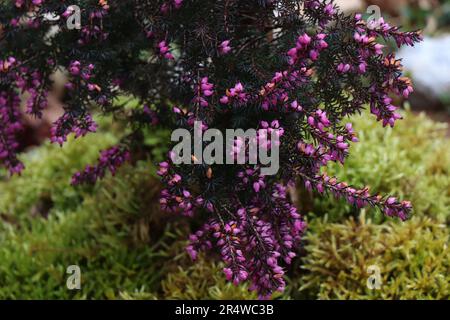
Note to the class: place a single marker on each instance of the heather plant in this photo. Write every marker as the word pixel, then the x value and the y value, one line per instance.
pixel 43 186
pixel 300 66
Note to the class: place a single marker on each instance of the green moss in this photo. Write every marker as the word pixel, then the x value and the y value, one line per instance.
pixel 413 257
pixel 203 280
pixel 45 183
pixel 187 280
pixel 114 232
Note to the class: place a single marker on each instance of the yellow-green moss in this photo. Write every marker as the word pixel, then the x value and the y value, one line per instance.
pixel 413 257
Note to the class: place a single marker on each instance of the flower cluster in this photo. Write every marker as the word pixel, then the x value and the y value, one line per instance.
pixel 224 47
pixel 94 30
pixel 32 83
pixel 254 255
pixel 110 159
pixel 10 117
pixel 80 122
pixel 78 70
pixel 149 116
pixel 176 198
pixel 204 90
pixel 10 125
pixel 164 50
pixel 266 131
pixel 71 123
pixel 22 3
pixel 359 197
pixel 235 95
pixel 306 47
pixel 172 4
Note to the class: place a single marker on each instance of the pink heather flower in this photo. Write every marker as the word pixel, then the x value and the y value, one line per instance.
pixel 74 68
pixel 343 68
pixel 69 11
pixel 224 100
pixel 314 55
pixel 407 92
pixel 322 43
pixel 192 253
pixel 225 47
pixel 164 50
pixel 329 10
pixel 178 3
pixel 379 49
pixel 228 273
pixel 14 22
pixel 204 90
pixel 363 39
pixel 362 67
pixel 292 53
pixel 239 87
pixel 342 145
pixel 175 4
pixel 165 7
pixel 295 105
pixel 304 39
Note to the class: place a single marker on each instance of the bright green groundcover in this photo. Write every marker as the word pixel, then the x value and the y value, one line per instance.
pixel 127 249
